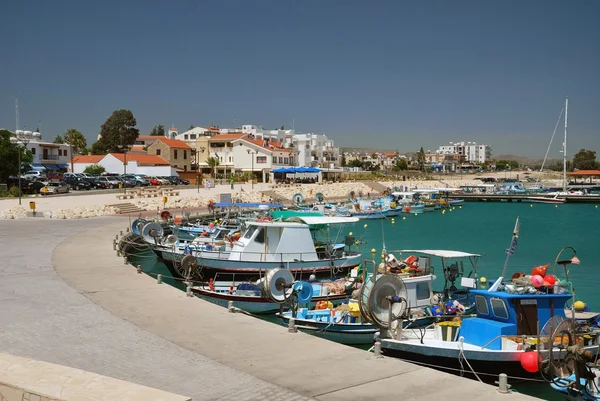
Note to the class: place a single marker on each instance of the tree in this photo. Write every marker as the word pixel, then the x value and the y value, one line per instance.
pixel 58 139
pixel 98 148
pixel 118 132
pixel 94 169
pixel 213 163
pixel 585 160
pixel 75 139
pixel 191 127
pixel 9 154
pixel 282 128
pixel 401 164
pixel 355 163
pixel 343 160
pixel 158 130
pixel 421 158
pixel 373 155
pixel 86 150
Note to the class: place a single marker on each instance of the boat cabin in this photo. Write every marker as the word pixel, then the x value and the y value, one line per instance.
pixel 406 198
pixel 287 241
pixel 502 314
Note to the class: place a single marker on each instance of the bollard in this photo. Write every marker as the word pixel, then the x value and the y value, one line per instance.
pixel 377 348
pixel 124 260
pixel 121 233
pixel 503 383
pixel 292 326
pixel 230 307
pixel 117 237
pixel 188 289
pixel 159 279
pixel 114 245
pixel 127 230
pixel 139 269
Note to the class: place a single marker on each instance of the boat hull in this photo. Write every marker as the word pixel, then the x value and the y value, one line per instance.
pixel 343 333
pixel 541 199
pixel 256 304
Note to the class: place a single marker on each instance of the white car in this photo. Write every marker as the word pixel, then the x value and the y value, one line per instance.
pixel 35 175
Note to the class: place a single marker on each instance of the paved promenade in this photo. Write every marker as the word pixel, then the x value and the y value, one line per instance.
pixel 106 318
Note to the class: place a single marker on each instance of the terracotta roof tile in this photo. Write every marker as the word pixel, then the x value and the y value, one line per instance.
pixel 145 160
pixel 88 158
pixel 174 143
pixel 227 137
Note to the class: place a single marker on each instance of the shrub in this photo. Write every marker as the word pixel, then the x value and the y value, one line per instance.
pixel 94 169
pixel 14 191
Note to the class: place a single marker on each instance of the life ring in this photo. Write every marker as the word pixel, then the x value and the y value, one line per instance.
pixel 321 305
pixel 393 205
pixel 178 221
pixel 165 215
pixel 410 260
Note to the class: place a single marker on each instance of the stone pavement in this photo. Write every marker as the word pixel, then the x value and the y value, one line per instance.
pixel 41 317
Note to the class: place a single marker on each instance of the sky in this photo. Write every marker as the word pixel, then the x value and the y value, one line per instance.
pixel 392 74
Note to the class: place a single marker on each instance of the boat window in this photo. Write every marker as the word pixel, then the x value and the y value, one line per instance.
pixel 481 304
pixel 499 308
pixel 250 232
pixel 423 291
pixel 260 237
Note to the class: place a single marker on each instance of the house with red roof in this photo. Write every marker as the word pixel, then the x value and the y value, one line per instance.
pixel 120 163
pixel 176 152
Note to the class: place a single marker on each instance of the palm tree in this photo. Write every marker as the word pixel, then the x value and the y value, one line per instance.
pixel 75 139
pixel 213 162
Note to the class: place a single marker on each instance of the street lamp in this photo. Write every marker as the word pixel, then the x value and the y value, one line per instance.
pixel 199 150
pixel 24 142
pixel 295 153
pixel 252 153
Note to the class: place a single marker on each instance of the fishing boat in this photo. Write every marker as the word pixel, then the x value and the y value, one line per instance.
pixel 504 336
pixel 408 201
pixel 251 296
pixel 543 199
pixel 300 244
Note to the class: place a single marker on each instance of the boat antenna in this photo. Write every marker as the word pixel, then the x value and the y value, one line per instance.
pixel 550 144
pixel 565 146
pixel 512 248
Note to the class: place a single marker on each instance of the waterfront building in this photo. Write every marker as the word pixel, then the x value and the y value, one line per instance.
pixel 47 156
pixel 150 165
pixel 470 152
pixel 177 153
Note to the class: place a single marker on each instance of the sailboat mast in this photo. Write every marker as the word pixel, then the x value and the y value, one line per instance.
pixel 565 146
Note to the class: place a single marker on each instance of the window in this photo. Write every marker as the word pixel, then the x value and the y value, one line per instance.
pixel 274 159
pixel 185 136
pixel 481 304
pixel 260 237
pixel 250 231
pixel 499 308
pixel 60 152
pixel 33 151
pixel 230 159
pixel 175 154
pixel 285 160
pixel 280 160
pixel 65 152
pixel 423 291
pixel 185 155
pixel 221 159
pixel 261 159
pixel 157 152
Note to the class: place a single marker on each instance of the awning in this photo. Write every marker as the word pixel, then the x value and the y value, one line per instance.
pixel 38 167
pixel 51 167
pixel 63 166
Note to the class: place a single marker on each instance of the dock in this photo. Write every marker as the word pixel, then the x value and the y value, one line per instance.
pixel 522 198
pixel 67 298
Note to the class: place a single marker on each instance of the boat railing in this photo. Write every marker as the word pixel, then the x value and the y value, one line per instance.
pixel 283 257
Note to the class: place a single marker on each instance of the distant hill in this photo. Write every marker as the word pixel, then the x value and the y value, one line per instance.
pixel 527 161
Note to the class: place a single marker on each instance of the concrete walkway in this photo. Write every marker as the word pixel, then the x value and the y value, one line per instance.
pixel 133 329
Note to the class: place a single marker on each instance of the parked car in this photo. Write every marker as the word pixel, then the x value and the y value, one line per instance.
pixel 35 175
pixel 55 187
pixel 140 181
pixel 77 183
pixel 129 181
pixel 163 180
pixel 27 186
pixel 109 182
pixel 154 181
pixel 183 182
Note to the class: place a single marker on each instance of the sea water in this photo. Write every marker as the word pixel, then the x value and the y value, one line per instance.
pixel 485 229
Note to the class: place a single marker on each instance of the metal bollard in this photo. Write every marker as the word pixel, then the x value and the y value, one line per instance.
pixel 292 326
pixel 230 307
pixel 503 383
pixel 377 348
pixel 124 260
pixel 139 269
pixel 188 289
pixel 159 279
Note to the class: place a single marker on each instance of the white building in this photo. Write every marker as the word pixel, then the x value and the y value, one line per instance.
pixel 469 151
pixel 47 156
pixel 150 165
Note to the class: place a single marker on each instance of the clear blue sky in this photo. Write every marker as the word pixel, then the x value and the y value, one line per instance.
pixel 390 74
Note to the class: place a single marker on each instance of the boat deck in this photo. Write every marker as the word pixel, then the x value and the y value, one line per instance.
pixel 270 362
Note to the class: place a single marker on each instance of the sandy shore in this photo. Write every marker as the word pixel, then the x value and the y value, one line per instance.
pixel 78 205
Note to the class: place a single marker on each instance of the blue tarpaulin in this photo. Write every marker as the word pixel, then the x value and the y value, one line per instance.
pixel 283 170
pixel 63 166
pixel 51 167
pixel 38 167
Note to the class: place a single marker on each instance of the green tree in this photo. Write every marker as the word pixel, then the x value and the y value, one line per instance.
pixel 282 128
pixel 421 158
pixel 213 163
pixel 86 150
pixel 98 148
pixel 9 154
pixel 75 139
pixel 373 155
pixel 191 127
pixel 401 164
pixel 158 130
pixel 94 169
pixel 58 139
pixel 355 163
pixel 585 160
pixel 343 160
pixel 118 132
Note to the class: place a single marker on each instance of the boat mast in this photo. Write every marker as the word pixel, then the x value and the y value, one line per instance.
pixel 565 146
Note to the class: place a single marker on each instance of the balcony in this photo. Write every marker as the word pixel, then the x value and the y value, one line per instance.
pixel 49 157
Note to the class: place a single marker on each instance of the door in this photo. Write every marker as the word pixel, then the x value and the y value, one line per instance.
pixel 527 317
pixel 45 154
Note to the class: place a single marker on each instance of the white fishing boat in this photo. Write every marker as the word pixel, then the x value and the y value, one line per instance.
pixel 300 244
pixel 543 199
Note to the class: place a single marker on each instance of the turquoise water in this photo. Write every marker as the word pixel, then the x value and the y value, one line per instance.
pixel 486 229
